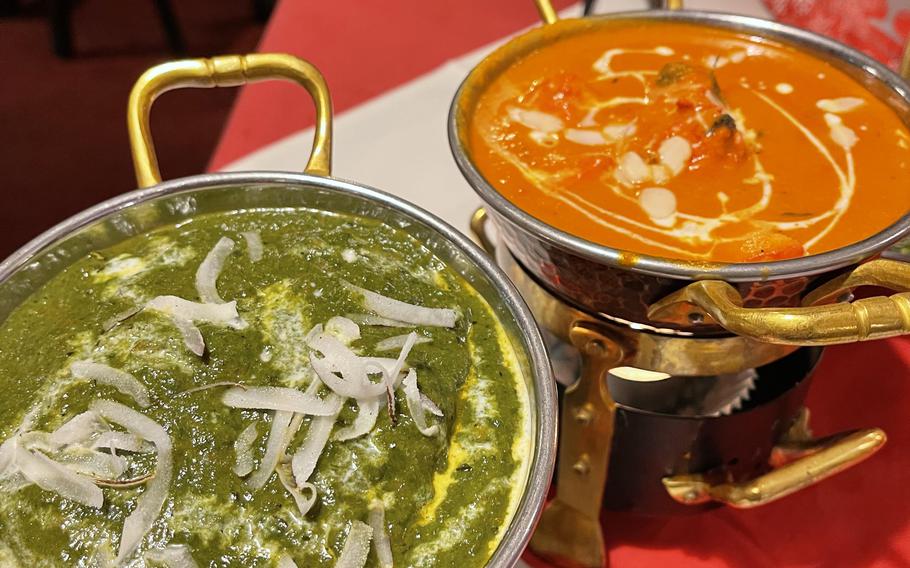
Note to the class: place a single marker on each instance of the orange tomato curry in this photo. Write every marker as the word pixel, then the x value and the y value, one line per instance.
pixel 692 143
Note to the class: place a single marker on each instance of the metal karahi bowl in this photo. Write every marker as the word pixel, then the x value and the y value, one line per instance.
pixel 163 203
pixel 777 301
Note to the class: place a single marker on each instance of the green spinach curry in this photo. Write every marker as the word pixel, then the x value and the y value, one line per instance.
pixel 260 388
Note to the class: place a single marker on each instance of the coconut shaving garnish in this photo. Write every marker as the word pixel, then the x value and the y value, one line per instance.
pixel 381 543
pixel 119 318
pixel 370 319
pixel 281 398
pixel 367 413
pixel 210 269
pixel 243 450
pixel 93 463
pixel 398 341
pixel 279 437
pixel 353 382
pixel 149 504
pixel 304 502
pixel 122 441
pixel 356 546
pixel 392 376
pixel 184 315
pixel 78 429
pixel 172 556
pixel 286 561
pixel 192 336
pixel 254 247
pixel 343 328
pixel 397 310
pixel 53 476
pixel 218 314
pixel 415 406
pixel 430 406
pixel 120 380
pixel 303 463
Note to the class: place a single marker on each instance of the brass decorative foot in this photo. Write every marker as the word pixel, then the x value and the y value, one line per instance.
pixel 569 532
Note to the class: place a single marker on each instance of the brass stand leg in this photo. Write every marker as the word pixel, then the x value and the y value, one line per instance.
pixel 569 532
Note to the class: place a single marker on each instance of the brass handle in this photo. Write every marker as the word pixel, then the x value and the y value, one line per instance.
pixel 905 61
pixel 479 230
pixel 547 13
pixel 826 458
pixel 224 71
pixel 715 301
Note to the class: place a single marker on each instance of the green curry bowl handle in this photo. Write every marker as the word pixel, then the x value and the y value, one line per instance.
pixel 479 230
pixel 817 322
pixel 224 71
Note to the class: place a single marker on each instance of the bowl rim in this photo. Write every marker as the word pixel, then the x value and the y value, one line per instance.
pixel 662 266
pixel 544 420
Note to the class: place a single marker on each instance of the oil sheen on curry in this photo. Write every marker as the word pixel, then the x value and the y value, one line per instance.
pixel 692 143
pixel 260 388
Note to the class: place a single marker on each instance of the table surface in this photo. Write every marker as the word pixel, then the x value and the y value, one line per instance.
pixel 392 67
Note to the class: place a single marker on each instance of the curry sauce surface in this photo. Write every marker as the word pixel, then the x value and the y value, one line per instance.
pixel 692 142
pixel 447 498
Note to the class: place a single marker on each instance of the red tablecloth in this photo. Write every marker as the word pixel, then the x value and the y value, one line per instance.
pixel 858 518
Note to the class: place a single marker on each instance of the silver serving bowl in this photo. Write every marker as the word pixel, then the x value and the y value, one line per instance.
pixel 161 204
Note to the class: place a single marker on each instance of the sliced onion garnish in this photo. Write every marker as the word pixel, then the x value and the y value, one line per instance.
pixel 279 437
pixel 172 556
pixel 52 476
pixel 381 542
pixel 280 398
pixel 79 429
pixel 304 503
pixel 367 412
pixel 149 504
pixel 343 328
pixel 209 270
pixel 106 375
pixel 356 546
pixel 370 319
pixel 412 396
pixel 122 441
pixel 430 406
pixel 93 463
pixel 119 318
pixel 398 341
pixel 192 336
pixel 219 314
pixel 402 311
pixel 307 455
pixel 243 450
pixel 254 246
pixel 285 561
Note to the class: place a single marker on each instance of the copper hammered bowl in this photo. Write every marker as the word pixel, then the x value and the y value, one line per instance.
pixel 802 301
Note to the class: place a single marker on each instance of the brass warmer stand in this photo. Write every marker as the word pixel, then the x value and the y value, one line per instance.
pixel 569 532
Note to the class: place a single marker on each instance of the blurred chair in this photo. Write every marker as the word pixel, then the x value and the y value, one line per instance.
pixel 60 18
